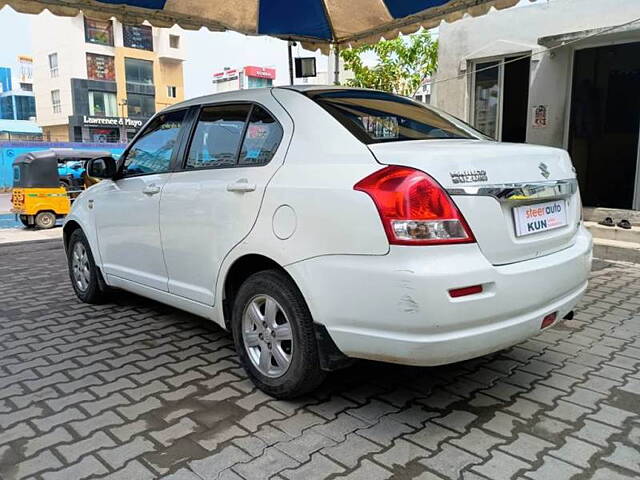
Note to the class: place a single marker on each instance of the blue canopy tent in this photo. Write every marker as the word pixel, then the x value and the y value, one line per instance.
pixel 315 23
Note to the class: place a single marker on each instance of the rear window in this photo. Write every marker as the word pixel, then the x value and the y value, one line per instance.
pixel 376 117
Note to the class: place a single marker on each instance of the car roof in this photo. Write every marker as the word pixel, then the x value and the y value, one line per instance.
pixel 252 95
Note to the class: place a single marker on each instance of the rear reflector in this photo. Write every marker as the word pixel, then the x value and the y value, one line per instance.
pixel 549 320
pixel 463 292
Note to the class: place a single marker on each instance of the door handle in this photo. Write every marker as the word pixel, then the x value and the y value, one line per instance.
pixel 151 189
pixel 241 186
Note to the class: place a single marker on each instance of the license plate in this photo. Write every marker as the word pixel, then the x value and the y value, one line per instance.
pixel 540 217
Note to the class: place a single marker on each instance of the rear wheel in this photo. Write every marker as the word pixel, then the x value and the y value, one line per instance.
pixel 273 334
pixel 85 276
pixel 45 220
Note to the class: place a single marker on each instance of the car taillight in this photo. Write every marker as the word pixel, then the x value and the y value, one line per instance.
pixel 414 208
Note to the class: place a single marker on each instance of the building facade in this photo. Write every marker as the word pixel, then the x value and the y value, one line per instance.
pixel 100 80
pixel 242 78
pixel 16 94
pixel 563 73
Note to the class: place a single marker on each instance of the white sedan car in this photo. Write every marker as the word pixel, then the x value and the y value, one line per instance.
pixel 324 224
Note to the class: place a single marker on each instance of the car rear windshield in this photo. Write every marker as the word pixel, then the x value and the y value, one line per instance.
pixel 376 117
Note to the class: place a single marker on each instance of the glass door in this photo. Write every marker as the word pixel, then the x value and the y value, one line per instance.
pixel 486 97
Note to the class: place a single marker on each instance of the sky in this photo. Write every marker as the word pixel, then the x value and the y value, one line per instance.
pixel 207 52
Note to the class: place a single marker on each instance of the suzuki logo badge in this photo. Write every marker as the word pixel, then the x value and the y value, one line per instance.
pixel 544 170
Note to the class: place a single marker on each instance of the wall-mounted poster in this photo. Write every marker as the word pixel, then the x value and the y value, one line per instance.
pixel 101 67
pixel 540 116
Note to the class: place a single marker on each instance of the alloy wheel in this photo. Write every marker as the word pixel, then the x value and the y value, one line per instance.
pixel 80 266
pixel 267 336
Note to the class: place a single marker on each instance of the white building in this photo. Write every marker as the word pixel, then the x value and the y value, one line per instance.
pixel 99 80
pixel 242 78
pixel 563 73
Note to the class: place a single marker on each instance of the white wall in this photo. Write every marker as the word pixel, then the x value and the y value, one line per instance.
pixel 517 30
pixel 64 36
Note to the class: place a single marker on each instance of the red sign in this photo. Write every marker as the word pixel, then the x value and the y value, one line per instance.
pixel 260 72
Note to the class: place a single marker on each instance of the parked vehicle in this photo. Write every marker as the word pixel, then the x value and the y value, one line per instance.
pixel 323 224
pixel 40 196
pixel 71 173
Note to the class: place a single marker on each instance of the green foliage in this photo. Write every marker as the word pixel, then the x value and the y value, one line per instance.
pixel 403 63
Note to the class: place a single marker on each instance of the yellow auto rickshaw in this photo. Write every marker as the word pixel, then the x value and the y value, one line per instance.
pixel 45 183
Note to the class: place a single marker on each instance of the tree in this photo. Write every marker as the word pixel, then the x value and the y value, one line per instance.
pixel 402 63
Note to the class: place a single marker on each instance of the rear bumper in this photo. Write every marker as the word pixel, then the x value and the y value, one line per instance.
pixel 396 307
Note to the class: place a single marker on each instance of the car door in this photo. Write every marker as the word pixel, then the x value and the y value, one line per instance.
pixel 127 210
pixel 212 203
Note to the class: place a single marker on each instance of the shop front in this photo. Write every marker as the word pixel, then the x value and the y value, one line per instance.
pixel 84 128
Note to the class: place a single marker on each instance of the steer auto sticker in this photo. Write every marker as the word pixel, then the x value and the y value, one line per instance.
pixel 540 217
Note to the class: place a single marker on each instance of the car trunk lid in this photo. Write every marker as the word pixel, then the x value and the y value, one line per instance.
pixel 500 189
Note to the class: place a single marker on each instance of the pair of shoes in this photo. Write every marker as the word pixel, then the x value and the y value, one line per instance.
pixel 608 222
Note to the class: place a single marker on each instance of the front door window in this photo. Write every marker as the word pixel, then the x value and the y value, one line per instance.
pixel 152 151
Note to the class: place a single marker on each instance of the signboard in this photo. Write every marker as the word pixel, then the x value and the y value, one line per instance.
pixel 260 72
pixel 229 74
pixel 88 121
pixel 101 67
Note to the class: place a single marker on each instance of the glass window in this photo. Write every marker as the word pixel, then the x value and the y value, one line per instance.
pixel 98 31
pixel 151 153
pixel 103 104
pixel 376 117
pixel 138 71
pixel 171 91
pixel 255 82
pixel 53 64
pixel 174 41
pixel 55 101
pixel 137 36
pixel 486 98
pixel 25 107
pixel 104 135
pixel 101 67
pixel 142 106
pixel 217 137
pixel 261 140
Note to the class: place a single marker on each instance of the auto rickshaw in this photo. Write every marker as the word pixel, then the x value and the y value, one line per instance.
pixel 39 196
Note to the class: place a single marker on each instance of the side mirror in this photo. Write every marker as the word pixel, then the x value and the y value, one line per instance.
pixel 102 167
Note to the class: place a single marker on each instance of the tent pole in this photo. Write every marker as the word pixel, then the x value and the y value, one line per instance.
pixel 290 51
pixel 336 64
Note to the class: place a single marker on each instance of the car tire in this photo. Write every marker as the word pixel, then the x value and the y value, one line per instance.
pixel 85 277
pixel 24 219
pixel 274 291
pixel 45 220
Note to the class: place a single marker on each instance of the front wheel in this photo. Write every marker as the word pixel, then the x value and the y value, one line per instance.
pixel 84 275
pixel 274 337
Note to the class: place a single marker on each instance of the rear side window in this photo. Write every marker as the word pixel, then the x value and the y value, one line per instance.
pixel 376 117
pixel 230 135
pixel 261 140
pixel 217 137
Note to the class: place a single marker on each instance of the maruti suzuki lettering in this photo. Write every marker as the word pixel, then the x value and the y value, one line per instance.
pixel 325 224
